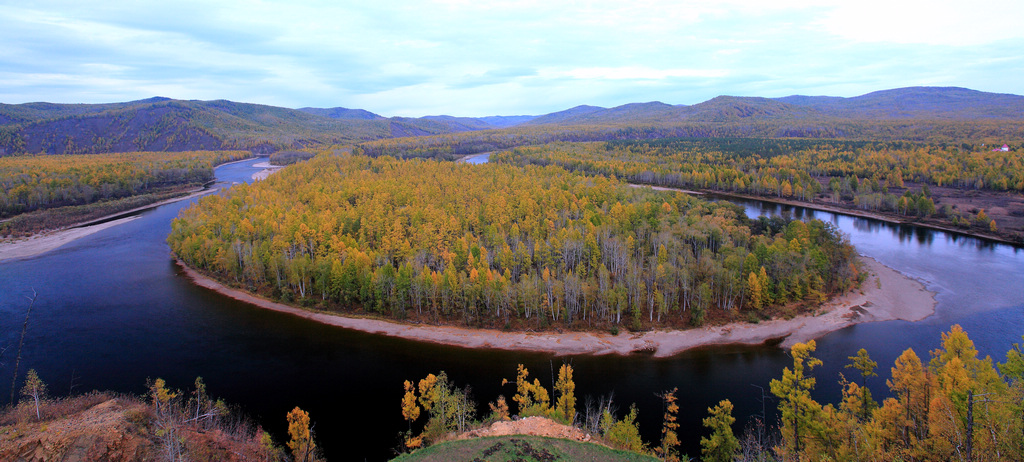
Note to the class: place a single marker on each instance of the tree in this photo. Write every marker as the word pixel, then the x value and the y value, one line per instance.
pixel 722 445
pixel 669 436
pixel 532 398
pixel 863 363
pixel 301 443
pixel 754 291
pixel 798 410
pixel 35 389
pixel 565 406
pixel 623 433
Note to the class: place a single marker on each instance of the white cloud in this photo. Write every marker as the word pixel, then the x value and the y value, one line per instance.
pixel 634 73
pixel 931 22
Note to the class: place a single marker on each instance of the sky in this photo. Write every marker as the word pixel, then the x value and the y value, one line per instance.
pixel 478 58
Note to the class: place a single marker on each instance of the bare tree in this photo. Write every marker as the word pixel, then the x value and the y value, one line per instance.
pixel 21 343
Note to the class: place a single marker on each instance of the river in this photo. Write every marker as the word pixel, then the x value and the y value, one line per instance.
pixel 114 310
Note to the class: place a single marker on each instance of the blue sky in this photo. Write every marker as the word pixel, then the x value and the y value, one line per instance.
pixel 478 58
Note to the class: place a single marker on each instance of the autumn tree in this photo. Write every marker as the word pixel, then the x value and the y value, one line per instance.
pixel 301 443
pixel 34 389
pixel 721 445
pixel 531 397
pixel 565 406
pixel 668 450
pixel 866 367
pixel 799 412
pixel 624 433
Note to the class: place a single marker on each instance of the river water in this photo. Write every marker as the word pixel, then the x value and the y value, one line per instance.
pixel 114 310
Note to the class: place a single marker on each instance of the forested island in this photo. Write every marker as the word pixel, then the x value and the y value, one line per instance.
pixel 504 246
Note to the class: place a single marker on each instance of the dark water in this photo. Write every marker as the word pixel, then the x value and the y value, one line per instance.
pixel 113 310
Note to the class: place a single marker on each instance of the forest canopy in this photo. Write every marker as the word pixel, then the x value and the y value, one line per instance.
pixel 499 244
pixel 30 183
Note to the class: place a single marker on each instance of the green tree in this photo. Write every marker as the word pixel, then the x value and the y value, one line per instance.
pixel 722 445
pixel 798 410
pixel 863 363
pixel 623 433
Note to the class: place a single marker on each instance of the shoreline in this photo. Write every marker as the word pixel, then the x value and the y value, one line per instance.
pixel 40 243
pixel 867 214
pixel 267 170
pixel 836 209
pixel 886 295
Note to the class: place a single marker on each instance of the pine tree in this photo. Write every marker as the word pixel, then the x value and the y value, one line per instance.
pixel 863 363
pixel 799 412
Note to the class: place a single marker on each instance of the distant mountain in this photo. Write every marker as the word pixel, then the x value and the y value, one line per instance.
pixel 922 103
pixel 160 124
pixel 163 124
pixel 506 121
pixel 917 103
pixel 342 113
pixel 460 123
pixel 566 116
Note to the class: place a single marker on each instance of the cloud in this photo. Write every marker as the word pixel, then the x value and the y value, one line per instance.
pixel 485 58
pixel 637 73
pixel 929 22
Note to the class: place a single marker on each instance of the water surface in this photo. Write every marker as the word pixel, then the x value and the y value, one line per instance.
pixel 114 310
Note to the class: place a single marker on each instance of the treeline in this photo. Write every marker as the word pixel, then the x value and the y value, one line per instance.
pixel 289 157
pixel 864 173
pixel 956 407
pixel 502 245
pixel 30 183
pixel 968 136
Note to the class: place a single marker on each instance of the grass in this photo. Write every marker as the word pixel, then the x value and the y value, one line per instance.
pixel 520 448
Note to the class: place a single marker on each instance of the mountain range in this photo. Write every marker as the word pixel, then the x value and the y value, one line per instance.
pixel 159 124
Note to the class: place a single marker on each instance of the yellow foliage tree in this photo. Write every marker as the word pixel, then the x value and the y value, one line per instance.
pixel 301 442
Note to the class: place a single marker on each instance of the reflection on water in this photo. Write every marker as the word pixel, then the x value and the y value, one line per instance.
pixel 113 310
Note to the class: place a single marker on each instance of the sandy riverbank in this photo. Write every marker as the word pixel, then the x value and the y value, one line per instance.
pixel 886 295
pixel 267 170
pixel 663 188
pixel 50 240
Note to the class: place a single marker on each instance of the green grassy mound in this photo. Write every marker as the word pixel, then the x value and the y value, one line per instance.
pixel 520 448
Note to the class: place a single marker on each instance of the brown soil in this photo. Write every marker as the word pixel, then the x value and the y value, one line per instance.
pixel 536 426
pixel 104 426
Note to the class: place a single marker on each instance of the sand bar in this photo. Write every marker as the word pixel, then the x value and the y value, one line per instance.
pixel 886 295
pixel 267 170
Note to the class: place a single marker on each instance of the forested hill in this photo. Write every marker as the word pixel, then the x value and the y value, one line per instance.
pixel 922 103
pixel 917 102
pixel 162 124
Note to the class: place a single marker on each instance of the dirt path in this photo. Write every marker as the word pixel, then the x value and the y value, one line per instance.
pixel 886 295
